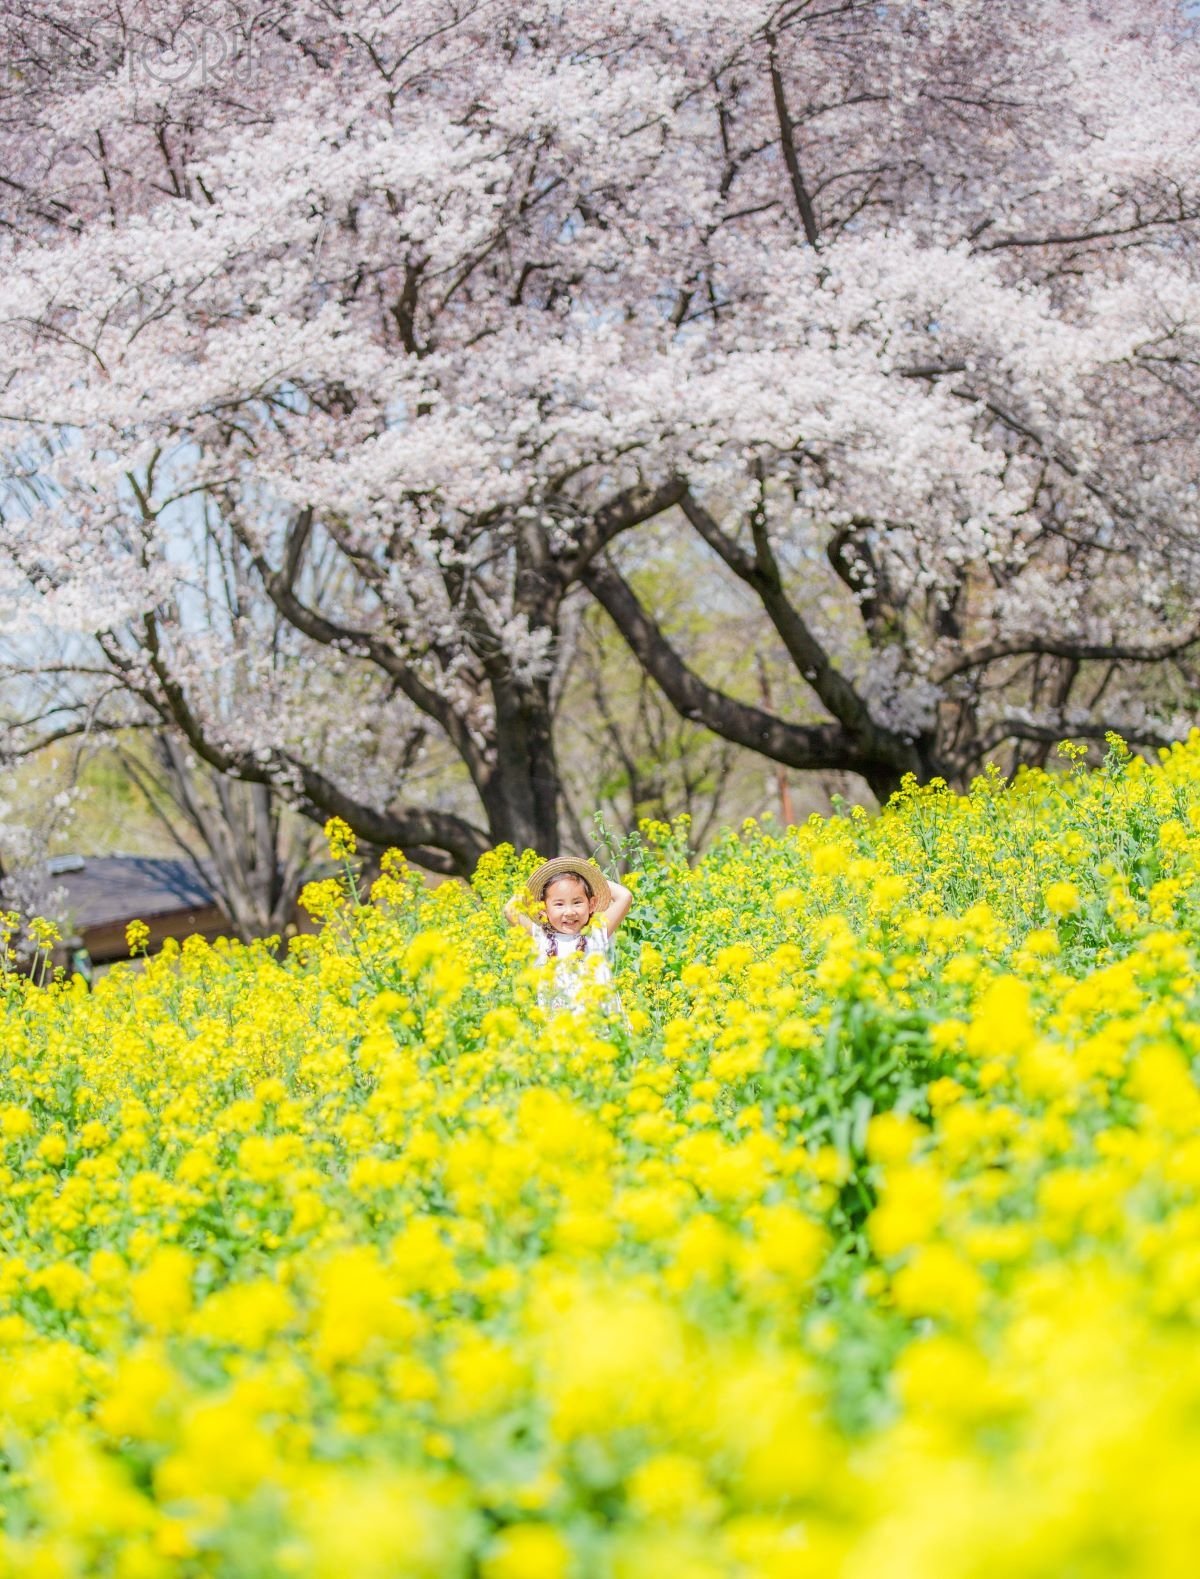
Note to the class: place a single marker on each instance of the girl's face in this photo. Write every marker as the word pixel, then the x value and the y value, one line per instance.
pixel 568 904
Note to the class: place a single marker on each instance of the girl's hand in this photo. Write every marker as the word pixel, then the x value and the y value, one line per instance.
pixel 619 909
pixel 516 914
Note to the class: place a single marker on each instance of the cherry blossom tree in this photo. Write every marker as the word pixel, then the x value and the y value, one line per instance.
pixel 1013 544
pixel 403 321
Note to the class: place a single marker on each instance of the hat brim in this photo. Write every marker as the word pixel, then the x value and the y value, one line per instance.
pixel 562 864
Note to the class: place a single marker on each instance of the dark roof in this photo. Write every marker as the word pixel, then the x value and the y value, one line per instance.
pixel 102 889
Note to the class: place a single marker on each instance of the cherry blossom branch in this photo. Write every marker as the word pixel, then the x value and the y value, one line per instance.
pixel 628 510
pixel 761 572
pixel 1079 649
pixel 368 644
pixel 447 841
pixel 1049 730
pixel 802 746
pixel 787 138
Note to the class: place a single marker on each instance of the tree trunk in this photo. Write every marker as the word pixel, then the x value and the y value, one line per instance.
pixel 522 795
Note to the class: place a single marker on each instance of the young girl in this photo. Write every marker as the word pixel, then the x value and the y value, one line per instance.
pixel 582 910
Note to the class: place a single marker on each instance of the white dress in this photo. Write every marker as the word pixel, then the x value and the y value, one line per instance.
pixel 575 968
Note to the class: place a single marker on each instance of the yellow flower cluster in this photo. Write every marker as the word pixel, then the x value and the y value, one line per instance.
pixel 864 1244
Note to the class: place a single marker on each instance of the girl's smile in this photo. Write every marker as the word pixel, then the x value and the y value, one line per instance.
pixel 568 905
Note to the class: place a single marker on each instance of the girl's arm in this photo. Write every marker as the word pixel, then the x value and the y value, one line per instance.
pixel 619 909
pixel 515 916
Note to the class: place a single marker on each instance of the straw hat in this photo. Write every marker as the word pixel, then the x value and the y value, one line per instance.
pixel 549 870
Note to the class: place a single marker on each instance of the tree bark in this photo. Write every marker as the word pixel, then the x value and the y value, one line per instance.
pixel 521 795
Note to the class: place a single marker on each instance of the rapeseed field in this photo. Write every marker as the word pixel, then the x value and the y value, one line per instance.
pixel 866 1245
